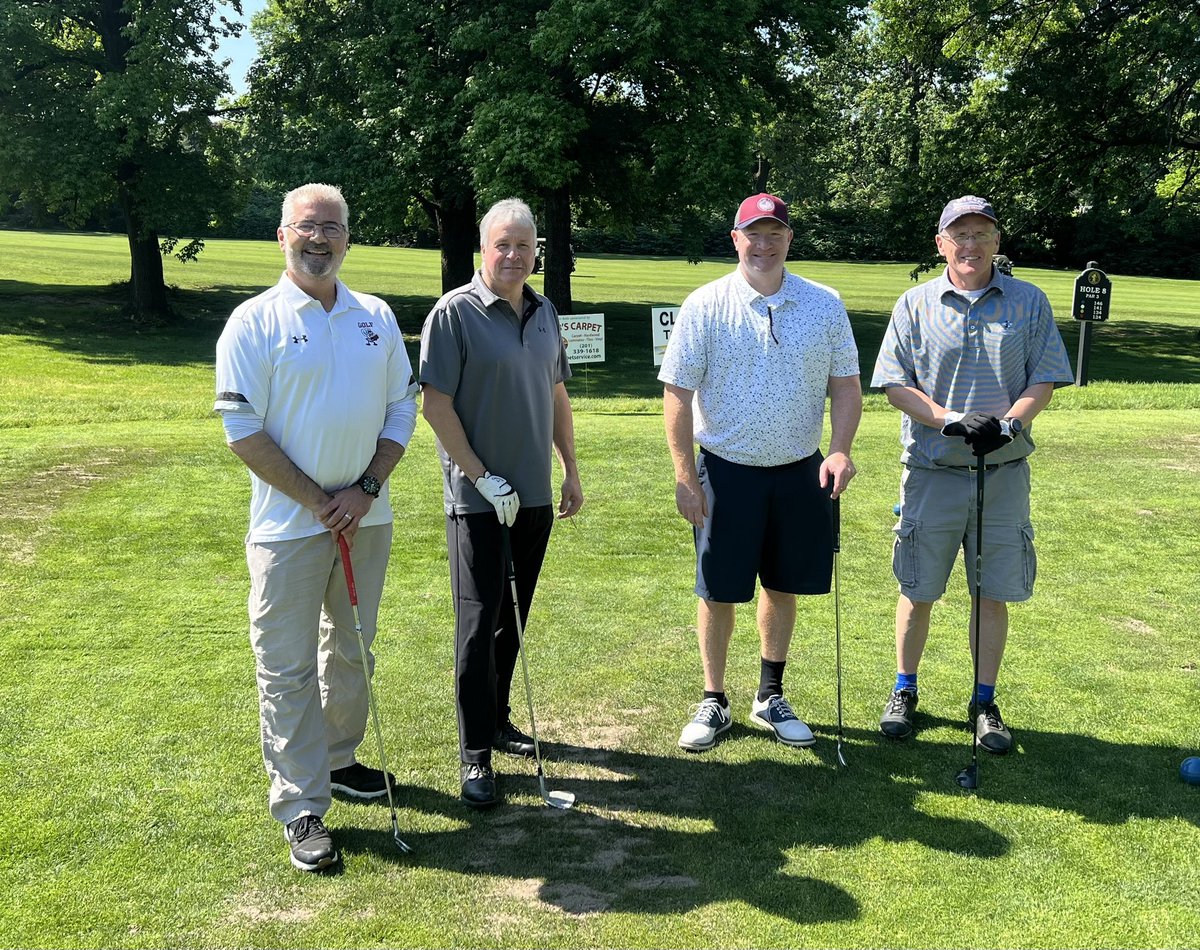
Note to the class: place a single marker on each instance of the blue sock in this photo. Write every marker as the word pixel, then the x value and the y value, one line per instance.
pixel 906 681
pixel 984 692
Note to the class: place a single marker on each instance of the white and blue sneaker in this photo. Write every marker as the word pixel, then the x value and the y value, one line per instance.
pixel 709 721
pixel 775 715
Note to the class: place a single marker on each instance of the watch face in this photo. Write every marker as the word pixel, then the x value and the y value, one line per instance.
pixel 1016 426
pixel 370 484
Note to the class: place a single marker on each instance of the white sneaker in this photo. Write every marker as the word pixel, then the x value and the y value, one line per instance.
pixel 709 721
pixel 775 715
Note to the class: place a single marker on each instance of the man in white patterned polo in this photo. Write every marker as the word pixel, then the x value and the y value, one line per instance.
pixel 970 358
pixel 746 372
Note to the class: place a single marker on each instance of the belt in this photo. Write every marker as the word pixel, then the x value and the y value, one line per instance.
pixel 986 468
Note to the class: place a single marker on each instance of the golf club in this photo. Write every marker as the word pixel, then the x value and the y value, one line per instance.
pixel 362 646
pixel 969 777
pixel 837 616
pixel 553 799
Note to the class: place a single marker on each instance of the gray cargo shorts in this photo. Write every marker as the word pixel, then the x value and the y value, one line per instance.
pixel 937 520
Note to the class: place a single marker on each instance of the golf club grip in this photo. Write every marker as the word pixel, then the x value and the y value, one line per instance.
pixel 345 548
pixel 837 523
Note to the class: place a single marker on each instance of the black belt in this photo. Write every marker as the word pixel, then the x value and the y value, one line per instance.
pixel 986 468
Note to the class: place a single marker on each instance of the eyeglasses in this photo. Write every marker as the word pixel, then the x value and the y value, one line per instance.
pixel 962 238
pixel 307 229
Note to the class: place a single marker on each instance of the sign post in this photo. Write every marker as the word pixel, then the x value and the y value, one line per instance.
pixel 1093 296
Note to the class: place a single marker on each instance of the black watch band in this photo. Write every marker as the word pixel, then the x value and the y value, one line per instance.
pixel 370 485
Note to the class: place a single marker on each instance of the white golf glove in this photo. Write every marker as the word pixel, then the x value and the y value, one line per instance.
pixel 501 495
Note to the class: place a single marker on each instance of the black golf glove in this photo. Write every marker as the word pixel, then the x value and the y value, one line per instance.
pixel 980 430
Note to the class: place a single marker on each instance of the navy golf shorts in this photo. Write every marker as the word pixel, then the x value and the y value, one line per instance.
pixel 772 523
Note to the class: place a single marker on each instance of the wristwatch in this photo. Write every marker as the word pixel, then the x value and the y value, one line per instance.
pixel 370 484
pixel 1013 425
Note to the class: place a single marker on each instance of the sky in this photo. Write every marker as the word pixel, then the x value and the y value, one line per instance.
pixel 241 51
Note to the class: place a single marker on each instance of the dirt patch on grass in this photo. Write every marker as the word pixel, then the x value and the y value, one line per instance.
pixel 33 498
pixel 258 908
pixel 574 900
pixel 1133 625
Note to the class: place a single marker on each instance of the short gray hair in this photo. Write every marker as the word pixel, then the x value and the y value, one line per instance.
pixel 313 191
pixel 502 212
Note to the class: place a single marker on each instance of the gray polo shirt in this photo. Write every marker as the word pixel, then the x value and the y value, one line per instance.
pixel 501 369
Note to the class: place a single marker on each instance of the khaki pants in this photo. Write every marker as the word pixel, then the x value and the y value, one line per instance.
pixel 312 697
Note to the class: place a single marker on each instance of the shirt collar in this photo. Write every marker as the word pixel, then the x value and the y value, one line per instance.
pixel 790 289
pixel 488 297
pixel 295 296
pixel 944 286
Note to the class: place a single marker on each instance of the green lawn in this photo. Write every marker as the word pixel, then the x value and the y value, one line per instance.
pixel 135 806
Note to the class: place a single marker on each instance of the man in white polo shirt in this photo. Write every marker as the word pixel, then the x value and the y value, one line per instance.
pixel 318 398
pixel 745 375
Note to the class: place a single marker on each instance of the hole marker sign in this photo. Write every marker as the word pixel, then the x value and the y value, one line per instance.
pixel 583 334
pixel 662 322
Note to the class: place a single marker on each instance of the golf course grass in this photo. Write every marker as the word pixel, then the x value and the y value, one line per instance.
pixel 134 812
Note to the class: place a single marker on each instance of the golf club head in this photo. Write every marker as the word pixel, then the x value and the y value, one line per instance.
pixel 560 800
pixel 969 777
pixel 400 843
pixel 841 758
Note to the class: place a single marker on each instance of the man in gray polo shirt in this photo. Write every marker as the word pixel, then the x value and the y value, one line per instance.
pixel 492 373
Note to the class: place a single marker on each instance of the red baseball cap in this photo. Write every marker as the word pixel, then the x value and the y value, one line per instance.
pixel 760 206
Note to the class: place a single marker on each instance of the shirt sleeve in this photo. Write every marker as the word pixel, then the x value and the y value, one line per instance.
pixel 844 351
pixel 894 364
pixel 243 373
pixel 442 355
pixel 685 362
pixel 401 414
pixel 1048 361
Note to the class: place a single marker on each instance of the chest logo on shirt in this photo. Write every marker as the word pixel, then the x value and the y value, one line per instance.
pixel 303 338
pixel 369 334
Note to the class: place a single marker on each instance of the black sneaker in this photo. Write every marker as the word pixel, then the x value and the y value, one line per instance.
pixel 312 845
pixel 989 727
pixel 478 785
pixel 360 781
pixel 510 739
pixel 897 719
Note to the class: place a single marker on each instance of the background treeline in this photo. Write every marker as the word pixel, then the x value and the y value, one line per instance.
pixel 632 126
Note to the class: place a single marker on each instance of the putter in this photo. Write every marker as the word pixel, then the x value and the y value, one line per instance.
pixel 362 646
pixel 837 615
pixel 969 777
pixel 562 800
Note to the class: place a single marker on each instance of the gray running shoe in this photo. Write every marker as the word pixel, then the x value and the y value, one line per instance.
pixel 312 845
pixel 989 727
pixel 897 719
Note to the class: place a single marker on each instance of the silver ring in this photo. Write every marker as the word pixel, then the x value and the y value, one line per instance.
pixel 345 516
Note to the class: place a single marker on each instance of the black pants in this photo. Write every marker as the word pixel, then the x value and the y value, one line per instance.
pixel 485 631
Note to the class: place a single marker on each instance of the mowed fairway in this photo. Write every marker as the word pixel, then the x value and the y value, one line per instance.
pixel 134 812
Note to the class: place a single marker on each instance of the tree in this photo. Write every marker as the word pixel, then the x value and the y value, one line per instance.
pixel 113 101
pixel 642 114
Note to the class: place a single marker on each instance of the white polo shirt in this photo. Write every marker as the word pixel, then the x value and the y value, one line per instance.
pixel 760 376
pixel 322 382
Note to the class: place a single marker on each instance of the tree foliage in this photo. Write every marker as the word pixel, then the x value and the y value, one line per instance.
pixel 112 102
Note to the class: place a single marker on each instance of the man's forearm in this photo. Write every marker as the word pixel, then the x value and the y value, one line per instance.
pixel 267 460
pixel 564 431
pixel 438 410
pixel 845 412
pixel 677 418
pixel 387 456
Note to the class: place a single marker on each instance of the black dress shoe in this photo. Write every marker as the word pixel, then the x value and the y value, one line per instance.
pixel 510 739
pixel 478 785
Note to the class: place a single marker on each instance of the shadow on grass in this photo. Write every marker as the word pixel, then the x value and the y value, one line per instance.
pixel 668 834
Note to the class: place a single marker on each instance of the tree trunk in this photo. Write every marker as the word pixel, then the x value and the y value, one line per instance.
pixel 557 285
pixel 458 235
pixel 147 290
pixel 762 173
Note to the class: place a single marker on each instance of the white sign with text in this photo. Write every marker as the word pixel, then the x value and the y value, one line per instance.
pixel 584 336
pixel 662 322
